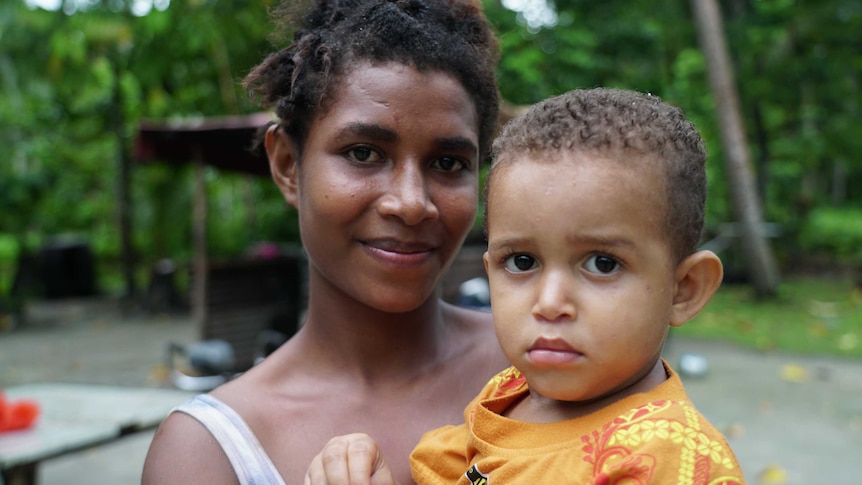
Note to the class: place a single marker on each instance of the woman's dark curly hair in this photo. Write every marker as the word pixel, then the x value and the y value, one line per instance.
pixel 451 36
pixel 619 123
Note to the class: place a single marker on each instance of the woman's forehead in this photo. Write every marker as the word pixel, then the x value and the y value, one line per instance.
pixel 394 95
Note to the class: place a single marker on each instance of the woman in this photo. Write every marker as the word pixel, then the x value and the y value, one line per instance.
pixel 387 109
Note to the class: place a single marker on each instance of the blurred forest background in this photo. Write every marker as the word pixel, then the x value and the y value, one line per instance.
pixel 77 77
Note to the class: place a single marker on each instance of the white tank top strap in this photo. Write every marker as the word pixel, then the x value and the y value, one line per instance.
pixel 248 458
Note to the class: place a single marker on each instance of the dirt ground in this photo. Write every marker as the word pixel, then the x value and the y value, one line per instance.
pixel 790 419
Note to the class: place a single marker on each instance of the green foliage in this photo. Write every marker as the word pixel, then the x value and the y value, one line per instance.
pixel 834 232
pixel 73 89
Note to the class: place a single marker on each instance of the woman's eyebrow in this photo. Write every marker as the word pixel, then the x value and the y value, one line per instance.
pixel 368 130
pixel 457 144
pixel 374 131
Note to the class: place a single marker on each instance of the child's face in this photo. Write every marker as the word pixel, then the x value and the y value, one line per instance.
pixel 581 274
pixel 387 185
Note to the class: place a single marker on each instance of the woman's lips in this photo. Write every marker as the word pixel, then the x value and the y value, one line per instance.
pixel 399 252
pixel 552 352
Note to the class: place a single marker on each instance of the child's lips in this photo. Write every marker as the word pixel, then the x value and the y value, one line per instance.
pixel 552 351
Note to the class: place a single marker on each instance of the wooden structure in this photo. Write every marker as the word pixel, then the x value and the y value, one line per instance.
pixel 247 298
pixel 231 300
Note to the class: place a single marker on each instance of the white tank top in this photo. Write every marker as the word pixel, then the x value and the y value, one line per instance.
pixel 248 458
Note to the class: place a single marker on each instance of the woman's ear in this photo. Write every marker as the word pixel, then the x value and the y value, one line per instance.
pixel 283 162
pixel 697 278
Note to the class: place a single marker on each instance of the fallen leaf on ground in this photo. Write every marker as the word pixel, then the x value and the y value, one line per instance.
pixel 159 373
pixel 794 373
pixel 772 475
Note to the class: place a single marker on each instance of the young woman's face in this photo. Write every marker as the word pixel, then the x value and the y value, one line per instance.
pixel 581 274
pixel 387 184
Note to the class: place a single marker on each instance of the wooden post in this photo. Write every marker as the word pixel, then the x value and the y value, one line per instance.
pixel 199 242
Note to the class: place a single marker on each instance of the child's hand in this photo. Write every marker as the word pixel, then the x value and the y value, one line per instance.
pixel 352 459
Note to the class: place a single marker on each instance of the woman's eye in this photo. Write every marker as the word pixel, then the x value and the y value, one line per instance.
pixel 449 164
pixel 601 264
pixel 518 263
pixel 363 155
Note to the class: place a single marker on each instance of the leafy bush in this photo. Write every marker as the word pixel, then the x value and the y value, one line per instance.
pixel 836 232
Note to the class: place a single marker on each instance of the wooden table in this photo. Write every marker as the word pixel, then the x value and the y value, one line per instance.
pixel 75 417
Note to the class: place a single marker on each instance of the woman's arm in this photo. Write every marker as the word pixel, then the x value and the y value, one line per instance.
pixel 184 452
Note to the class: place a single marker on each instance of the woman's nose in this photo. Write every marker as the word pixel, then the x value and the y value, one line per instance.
pixel 408 196
pixel 555 301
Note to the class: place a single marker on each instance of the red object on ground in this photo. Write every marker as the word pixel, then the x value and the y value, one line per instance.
pixel 17 415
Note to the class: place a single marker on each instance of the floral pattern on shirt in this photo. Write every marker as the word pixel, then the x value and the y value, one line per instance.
pixel 620 450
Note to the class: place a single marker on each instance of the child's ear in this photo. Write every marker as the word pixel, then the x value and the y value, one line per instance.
pixel 697 278
pixel 283 161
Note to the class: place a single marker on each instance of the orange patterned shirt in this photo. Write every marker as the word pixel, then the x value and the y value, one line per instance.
pixel 657 437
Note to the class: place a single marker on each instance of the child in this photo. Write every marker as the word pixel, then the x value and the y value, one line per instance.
pixel 595 206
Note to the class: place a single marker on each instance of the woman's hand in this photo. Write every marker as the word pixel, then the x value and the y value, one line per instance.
pixel 352 459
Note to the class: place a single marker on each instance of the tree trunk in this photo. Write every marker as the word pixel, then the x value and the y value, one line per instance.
pixel 124 183
pixel 746 204
pixel 763 157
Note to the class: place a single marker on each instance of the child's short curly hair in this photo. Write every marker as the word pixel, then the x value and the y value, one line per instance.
pixel 620 121
pixel 452 36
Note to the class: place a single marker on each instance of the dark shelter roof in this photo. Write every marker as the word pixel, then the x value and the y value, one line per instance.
pixel 225 142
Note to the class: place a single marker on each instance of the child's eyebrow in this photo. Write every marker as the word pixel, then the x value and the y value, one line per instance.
pixel 612 242
pixel 502 244
pixel 574 239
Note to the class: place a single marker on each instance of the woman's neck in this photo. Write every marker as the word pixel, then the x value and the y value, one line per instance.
pixel 376 346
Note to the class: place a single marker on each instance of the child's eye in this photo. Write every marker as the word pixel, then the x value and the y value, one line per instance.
pixel 449 164
pixel 601 264
pixel 518 263
pixel 363 154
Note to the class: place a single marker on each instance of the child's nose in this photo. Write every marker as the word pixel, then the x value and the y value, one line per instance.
pixel 408 197
pixel 555 302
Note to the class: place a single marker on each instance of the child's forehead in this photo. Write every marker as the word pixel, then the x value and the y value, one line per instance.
pixel 589 195
pixel 647 165
pixel 609 175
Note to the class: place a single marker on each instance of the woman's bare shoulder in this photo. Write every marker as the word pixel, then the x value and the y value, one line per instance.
pixel 477 333
pixel 476 327
pixel 183 451
pixel 469 319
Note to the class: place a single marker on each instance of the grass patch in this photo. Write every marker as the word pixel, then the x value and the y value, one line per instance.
pixel 809 316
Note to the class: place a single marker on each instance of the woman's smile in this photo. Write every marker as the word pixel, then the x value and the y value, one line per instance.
pixel 399 252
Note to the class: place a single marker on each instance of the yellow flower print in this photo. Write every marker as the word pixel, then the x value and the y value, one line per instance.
pixel 682 434
pixel 629 436
pixel 655 429
pixel 727 462
pixel 709 448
